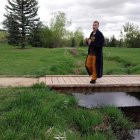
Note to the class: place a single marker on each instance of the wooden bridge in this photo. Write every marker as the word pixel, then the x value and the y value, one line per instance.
pixel 79 83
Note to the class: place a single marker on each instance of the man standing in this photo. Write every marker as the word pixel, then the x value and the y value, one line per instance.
pixel 94 61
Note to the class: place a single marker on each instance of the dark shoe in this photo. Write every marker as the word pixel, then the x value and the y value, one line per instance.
pixel 93 81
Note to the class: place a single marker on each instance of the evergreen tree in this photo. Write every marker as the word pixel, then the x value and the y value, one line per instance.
pixel 113 42
pixel 107 42
pixel 35 35
pixel 73 42
pixel 81 44
pixel 25 15
pixel 13 34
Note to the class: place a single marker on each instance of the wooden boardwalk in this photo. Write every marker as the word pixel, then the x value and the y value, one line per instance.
pixel 80 83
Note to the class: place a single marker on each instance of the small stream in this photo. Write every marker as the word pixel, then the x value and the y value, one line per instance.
pixel 118 99
pixel 129 103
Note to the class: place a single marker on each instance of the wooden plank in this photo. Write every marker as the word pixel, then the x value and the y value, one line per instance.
pixel 88 79
pixel 61 80
pixel 55 81
pixel 48 80
pixel 67 80
pixel 84 80
pixel 78 81
pixel 73 81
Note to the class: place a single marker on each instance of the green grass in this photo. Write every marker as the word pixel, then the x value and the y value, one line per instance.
pixel 63 61
pixel 41 114
pixel 127 59
pixel 34 61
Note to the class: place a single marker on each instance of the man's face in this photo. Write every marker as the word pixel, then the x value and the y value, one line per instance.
pixel 95 26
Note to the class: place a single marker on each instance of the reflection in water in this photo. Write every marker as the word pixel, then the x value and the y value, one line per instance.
pixel 136 134
pixel 135 94
pixel 118 99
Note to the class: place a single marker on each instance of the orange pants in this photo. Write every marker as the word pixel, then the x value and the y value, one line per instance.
pixel 91 66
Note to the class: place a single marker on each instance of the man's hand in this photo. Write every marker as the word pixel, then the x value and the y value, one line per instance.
pixel 89 41
pixel 86 39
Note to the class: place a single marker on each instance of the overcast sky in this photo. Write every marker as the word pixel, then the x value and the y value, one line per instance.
pixel 112 14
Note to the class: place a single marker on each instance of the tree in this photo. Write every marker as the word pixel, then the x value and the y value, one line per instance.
pixel 81 44
pixel 78 35
pixel 35 38
pixel 67 40
pixel 106 42
pixel 47 37
pixel 112 42
pixel 3 36
pixel 13 33
pixel 73 42
pixel 131 35
pixel 24 13
pixel 58 26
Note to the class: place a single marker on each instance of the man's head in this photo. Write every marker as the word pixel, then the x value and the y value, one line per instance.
pixel 95 25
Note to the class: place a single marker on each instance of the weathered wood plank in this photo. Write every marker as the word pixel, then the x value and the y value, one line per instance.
pixel 55 80
pixel 67 80
pixel 73 81
pixel 61 80
pixel 48 80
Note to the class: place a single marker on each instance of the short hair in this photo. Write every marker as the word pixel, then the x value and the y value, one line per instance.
pixel 96 22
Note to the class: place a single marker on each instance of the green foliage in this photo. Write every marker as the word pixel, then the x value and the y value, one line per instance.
pixel 58 26
pixel 131 35
pixel 78 35
pixel 73 42
pixel 3 36
pixel 57 35
pixel 13 33
pixel 53 36
pixel 81 43
pixel 112 42
pixel 47 37
pixel 22 15
pixel 35 38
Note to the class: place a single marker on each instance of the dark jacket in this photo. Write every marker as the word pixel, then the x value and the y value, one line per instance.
pixel 97 46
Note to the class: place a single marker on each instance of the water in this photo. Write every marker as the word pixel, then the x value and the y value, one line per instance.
pixel 136 134
pixel 118 99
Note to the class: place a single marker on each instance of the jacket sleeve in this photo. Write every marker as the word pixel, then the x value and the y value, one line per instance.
pixel 99 41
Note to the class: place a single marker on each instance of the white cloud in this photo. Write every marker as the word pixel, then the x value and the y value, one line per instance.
pixel 112 15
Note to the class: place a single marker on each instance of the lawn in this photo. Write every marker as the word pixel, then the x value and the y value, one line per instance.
pixel 64 61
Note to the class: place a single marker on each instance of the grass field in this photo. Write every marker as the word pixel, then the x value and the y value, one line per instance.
pixel 62 61
pixel 36 113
